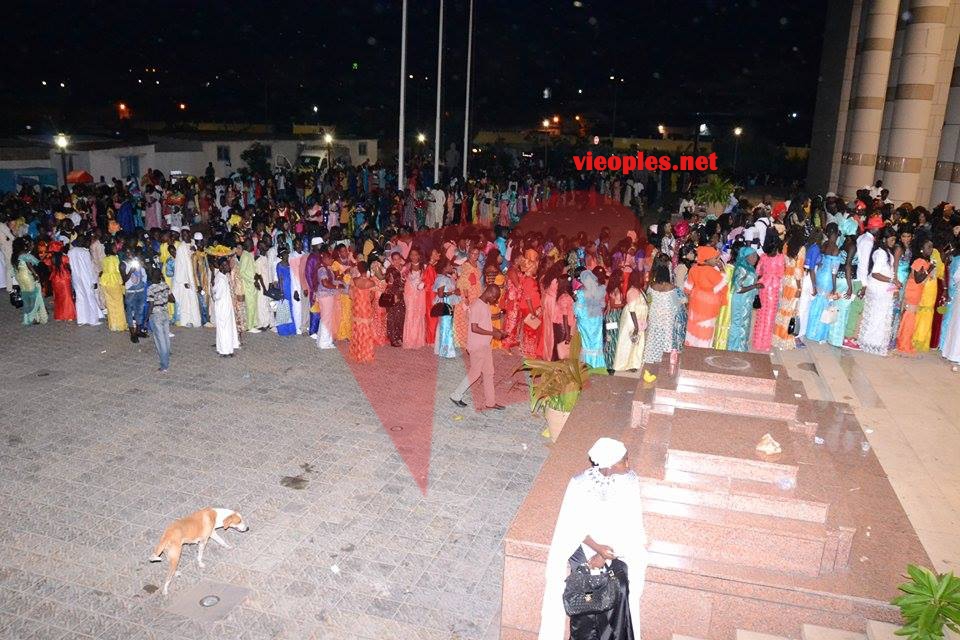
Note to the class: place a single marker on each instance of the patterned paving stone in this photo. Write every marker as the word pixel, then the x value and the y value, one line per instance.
pixel 100 454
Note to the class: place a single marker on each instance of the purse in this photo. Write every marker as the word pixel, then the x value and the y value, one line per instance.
pixel 274 293
pixel 387 300
pixel 441 309
pixel 532 321
pixel 587 592
pixel 15 298
pixel 793 327
pixel 756 302
pixel 829 315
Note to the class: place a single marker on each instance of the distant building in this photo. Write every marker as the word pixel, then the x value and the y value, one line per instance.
pixel 888 104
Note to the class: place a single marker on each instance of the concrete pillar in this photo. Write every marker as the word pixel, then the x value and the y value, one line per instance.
pixel 919 64
pixel 889 103
pixel 865 114
pixel 949 136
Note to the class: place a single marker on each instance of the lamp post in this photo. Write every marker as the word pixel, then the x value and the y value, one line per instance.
pixel 328 140
pixel 62 141
pixel 546 140
pixel 613 128
pixel 737 132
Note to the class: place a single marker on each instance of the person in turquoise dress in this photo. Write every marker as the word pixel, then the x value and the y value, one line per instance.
pixel 952 293
pixel 825 278
pixel 34 311
pixel 844 290
pixel 588 310
pixel 444 288
pixel 745 288
pixel 905 247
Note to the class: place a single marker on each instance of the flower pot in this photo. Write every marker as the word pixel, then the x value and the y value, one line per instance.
pixel 555 421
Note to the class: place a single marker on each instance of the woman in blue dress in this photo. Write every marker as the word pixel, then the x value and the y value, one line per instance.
pixel 445 290
pixel 284 314
pixel 950 253
pixel 825 282
pixel 745 288
pixel 905 250
pixel 588 310
pixel 844 292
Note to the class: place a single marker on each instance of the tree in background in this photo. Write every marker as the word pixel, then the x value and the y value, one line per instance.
pixel 255 157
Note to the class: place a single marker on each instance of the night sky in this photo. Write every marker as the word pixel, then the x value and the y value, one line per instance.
pixel 748 62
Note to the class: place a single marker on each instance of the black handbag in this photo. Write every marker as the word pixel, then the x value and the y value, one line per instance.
pixel 756 302
pixel 274 293
pixel 15 298
pixel 793 329
pixel 387 300
pixel 441 309
pixel 587 592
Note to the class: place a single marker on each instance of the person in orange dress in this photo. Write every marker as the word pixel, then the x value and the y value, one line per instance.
pixel 531 311
pixel 470 284
pixel 379 325
pixel 920 272
pixel 706 287
pixel 362 295
pixel 60 283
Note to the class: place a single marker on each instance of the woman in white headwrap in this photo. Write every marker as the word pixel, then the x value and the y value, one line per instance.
pixel 600 522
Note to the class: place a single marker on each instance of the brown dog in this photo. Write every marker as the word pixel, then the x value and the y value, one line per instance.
pixel 196 528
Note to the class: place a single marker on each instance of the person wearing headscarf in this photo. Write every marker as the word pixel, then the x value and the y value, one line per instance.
pixel 600 523
pixel 744 287
pixel 588 310
pixel 633 327
pixel 706 288
pixel 25 266
pixel 63 306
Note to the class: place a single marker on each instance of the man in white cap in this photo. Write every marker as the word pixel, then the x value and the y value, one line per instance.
pixel 184 283
pixel 600 523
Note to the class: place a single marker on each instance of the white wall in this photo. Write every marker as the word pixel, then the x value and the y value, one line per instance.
pixel 287 148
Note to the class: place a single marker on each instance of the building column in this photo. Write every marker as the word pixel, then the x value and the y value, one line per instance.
pixel 889 103
pixel 865 114
pixel 949 137
pixel 922 43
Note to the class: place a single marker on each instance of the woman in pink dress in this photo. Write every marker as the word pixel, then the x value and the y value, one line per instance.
pixel 414 297
pixel 770 270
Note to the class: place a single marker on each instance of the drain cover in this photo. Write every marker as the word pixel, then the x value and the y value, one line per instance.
pixel 42 374
pixel 396 428
pixel 209 601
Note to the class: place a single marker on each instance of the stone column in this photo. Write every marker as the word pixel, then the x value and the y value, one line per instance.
pixel 891 95
pixel 949 137
pixel 919 63
pixel 866 104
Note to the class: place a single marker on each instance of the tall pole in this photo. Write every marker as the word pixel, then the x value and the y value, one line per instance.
pixel 736 152
pixel 466 109
pixel 403 94
pixel 613 128
pixel 436 134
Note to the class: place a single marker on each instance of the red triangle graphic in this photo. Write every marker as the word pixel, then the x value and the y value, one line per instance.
pixel 401 386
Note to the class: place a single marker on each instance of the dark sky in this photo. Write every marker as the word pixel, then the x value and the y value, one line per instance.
pixel 748 62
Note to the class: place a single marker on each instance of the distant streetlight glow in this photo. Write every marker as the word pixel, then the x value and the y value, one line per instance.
pixel 61 141
pixel 183 106
pixel 738 131
pixel 661 129
pixel 327 138
pixel 62 85
pixel 545 123
pixel 421 138
pixel 579 90
pixel 703 129
pixel 315 108
pixel 611 77
pixel 577 118
pixel 556 119
pixel 43 82
pixel 122 106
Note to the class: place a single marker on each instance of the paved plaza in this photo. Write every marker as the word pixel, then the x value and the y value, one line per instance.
pixel 99 453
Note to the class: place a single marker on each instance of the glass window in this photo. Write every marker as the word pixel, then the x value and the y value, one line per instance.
pixel 223 153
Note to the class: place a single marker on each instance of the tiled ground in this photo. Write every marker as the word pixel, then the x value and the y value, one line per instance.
pixel 98 453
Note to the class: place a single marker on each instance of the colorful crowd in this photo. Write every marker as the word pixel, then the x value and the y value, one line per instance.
pixel 380 268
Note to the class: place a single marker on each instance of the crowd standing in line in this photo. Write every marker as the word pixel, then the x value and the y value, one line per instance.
pixel 345 256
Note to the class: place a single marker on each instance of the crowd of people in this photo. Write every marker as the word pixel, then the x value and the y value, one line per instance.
pixel 340 259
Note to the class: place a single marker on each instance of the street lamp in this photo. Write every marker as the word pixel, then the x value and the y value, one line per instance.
pixel 315 108
pixel 421 138
pixel 327 138
pixel 62 141
pixel 556 119
pixel 545 123
pixel 661 129
pixel 737 132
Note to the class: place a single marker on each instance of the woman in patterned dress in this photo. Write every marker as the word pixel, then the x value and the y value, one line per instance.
pixel 770 273
pixel 379 324
pixel 470 284
pixel 397 311
pixel 363 301
pixel 794 257
pixel 664 305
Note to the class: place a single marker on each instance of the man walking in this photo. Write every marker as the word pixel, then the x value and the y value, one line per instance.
pixel 478 347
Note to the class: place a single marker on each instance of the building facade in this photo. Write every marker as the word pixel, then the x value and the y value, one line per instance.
pixel 887 105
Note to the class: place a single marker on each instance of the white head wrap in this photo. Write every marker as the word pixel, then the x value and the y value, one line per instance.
pixel 198 236
pixel 607 452
pixel 316 241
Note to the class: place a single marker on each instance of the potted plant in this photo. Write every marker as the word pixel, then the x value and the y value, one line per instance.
pixel 555 386
pixel 714 193
pixel 930 602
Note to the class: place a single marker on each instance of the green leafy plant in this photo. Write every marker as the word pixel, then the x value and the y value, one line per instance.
pixel 557 384
pixel 715 190
pixel 930 602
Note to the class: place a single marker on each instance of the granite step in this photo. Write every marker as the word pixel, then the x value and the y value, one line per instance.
pixel 722 401
pixel 739 468
pixel 881 630
pixel 753 540
pixel 815 632
pixel 755 635
pixel 722 496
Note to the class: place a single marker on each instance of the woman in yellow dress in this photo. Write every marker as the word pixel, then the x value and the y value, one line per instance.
pixel 926 307
pixel 111 284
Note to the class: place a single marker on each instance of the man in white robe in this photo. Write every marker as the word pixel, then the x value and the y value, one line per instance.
pixel 8 275
pixel 228 340
pixel 184 284
pixel 438 200
pixel 85 284
pixel 602 514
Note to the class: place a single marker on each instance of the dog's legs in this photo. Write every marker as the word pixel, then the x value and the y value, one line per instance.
pixel 216 538
pixel 200 546
pixel 174 556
